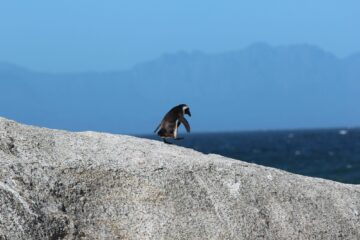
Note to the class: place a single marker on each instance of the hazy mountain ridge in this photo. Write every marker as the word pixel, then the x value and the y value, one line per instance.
pixel 287 86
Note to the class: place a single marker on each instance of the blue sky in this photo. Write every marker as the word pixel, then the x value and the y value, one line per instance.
pixel 87 35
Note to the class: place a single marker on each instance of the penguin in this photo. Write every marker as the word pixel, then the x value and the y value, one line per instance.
pixel 170 123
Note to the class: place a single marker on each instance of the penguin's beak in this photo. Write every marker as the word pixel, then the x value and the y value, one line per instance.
pixel 187 111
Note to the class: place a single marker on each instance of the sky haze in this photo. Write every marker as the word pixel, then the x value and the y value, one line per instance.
pixel 87 35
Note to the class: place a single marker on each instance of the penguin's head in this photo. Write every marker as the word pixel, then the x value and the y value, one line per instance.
pixel 186 109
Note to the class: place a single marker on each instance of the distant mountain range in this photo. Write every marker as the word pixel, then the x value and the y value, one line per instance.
pixel 259 87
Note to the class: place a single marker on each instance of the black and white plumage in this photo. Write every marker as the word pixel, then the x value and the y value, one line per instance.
pixel 170 123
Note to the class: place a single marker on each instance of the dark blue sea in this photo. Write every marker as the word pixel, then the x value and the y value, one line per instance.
pixel 326 153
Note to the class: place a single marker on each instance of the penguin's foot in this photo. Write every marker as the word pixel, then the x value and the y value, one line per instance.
pixel 180 138
pixel 166 141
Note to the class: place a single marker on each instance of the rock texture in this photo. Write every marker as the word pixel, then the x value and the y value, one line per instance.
pixel 62 185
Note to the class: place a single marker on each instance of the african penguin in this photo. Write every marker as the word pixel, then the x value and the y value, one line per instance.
pixel 171 122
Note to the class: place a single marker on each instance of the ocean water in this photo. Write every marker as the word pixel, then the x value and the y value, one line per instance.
pixel 326 153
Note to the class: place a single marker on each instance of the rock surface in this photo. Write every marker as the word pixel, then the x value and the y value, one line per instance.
pixel 62 185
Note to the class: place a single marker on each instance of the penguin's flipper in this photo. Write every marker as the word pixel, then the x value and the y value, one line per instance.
pixel 157 128
pixel 185 122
